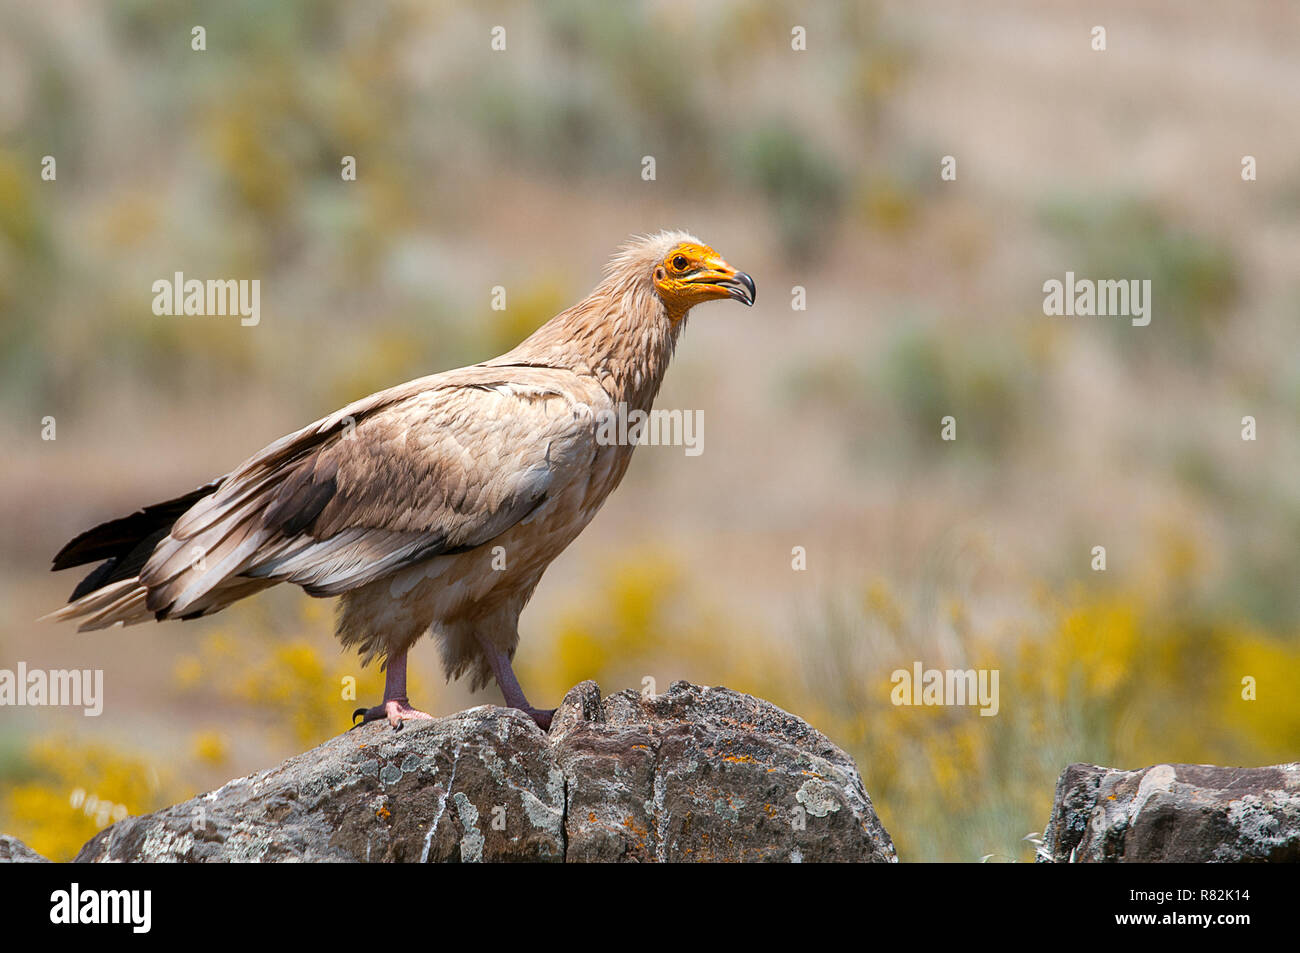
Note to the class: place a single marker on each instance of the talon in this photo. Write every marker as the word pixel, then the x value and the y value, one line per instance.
pixel 543 717
pixel 398 711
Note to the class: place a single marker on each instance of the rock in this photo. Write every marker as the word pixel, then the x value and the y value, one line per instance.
pixel 707 774
pixel 14 851
pixel 427 792
pixel 692 774
pixel 1175 812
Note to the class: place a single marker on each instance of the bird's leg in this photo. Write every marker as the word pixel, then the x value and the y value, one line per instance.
pixel 396 707
pixel 514 695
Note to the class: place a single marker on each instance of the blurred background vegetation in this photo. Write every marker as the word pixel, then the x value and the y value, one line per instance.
pixel 817 169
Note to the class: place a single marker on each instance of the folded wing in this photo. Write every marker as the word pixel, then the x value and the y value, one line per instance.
pixel 437 466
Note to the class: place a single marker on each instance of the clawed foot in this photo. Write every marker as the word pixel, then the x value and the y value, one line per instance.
pixel 541 716
pixel 398 711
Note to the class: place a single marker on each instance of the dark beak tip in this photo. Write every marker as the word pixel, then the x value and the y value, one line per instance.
pixel 748 282
pixel 739 287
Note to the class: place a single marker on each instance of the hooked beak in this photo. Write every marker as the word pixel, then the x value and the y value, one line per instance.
pixel 741 287
pixel 732 283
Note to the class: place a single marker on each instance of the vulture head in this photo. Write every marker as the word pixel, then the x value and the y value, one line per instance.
pixel 692 273
pixel 674 269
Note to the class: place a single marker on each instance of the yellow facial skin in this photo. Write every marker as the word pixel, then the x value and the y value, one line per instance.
pixel 691 274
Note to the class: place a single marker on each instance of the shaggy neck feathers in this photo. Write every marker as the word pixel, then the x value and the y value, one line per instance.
pixel 622 334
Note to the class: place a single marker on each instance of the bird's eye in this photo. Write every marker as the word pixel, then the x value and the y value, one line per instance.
pixel 680 262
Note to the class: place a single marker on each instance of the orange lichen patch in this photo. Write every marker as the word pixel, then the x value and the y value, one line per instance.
pixel 630 823
pixel 771 811
pixel 737 723
pixel 383 812
pixel 591 816
pixel 739 759
pixel 642 747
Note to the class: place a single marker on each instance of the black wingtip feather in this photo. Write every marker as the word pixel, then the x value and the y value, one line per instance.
pixel 98 577
pixel 118 537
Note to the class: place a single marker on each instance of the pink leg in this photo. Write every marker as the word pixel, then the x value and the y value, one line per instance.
pixel 396 707
pixel 499 662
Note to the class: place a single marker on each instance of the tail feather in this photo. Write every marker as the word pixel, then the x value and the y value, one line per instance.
pixel 119 568
pixel 122 601
pixel 112 592
pixel 126 602
pixel 118 537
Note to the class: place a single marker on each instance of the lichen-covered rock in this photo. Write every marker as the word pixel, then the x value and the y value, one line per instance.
pixel 1175 812
pixel 707 774
pixel 693 774
pixel 14 851
pixel 430 792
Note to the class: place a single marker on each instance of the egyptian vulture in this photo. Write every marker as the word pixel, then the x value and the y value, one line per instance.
pixel 398 502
